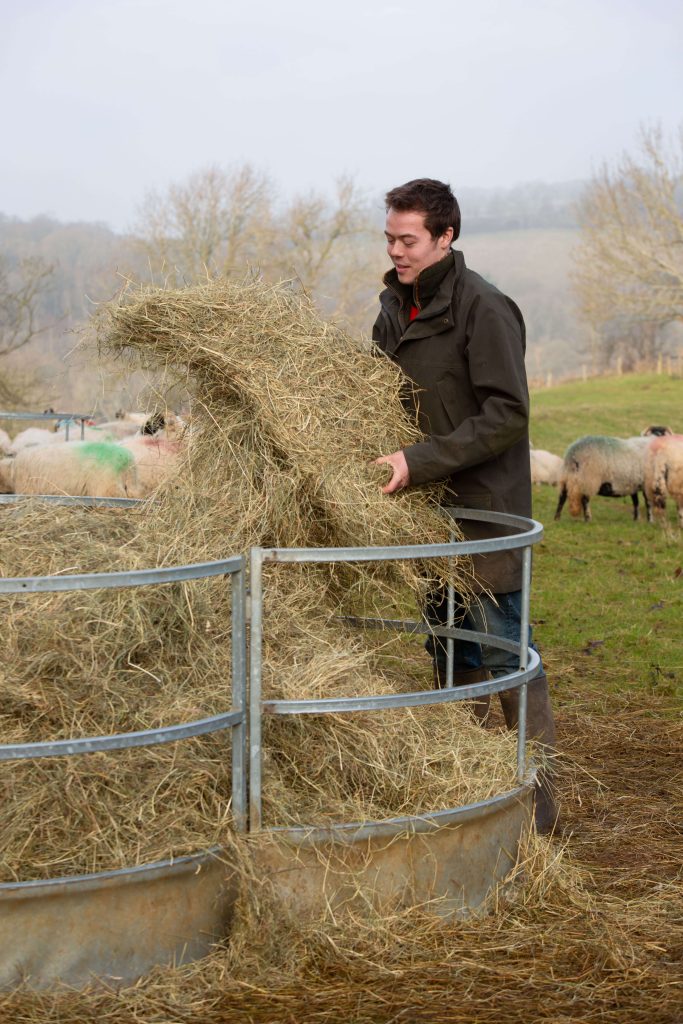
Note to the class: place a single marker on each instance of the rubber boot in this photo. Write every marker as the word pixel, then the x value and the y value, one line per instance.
pixel 540 726
pixel 466 677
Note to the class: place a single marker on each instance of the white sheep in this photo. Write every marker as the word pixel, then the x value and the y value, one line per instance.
pixel 7 476
pixel 156 459
pixel 609 466
pixel 546 468
pixel 664 475
pixel 101 469
pixel 5 442
pixel 32 437
pixel 132 468
pixel 116 430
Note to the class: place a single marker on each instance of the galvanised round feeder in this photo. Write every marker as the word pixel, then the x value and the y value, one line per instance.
pixel 113 926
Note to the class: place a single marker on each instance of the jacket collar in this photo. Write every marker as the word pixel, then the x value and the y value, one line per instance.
pixel 426 284
pixel 440 305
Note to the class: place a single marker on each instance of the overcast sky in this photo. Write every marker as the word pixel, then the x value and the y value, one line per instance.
pixel 103 100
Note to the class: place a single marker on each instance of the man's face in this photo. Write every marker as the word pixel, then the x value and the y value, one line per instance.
pixel 410 246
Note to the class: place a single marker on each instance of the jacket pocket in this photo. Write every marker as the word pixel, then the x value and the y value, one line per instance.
pixel 453 394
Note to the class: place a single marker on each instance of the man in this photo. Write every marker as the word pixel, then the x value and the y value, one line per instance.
pixel 462 342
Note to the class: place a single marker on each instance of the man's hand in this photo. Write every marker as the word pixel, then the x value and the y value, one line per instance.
pixel 401 473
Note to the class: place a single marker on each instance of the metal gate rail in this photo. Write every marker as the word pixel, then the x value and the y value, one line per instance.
pixel 530 533
pixel 65 417
pixel 247 771
pixel 234 719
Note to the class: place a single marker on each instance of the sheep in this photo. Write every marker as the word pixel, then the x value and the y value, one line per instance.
pixel 132 468
pixel 100 469
pixel 545 467
pixel 134 424
pixel 7 476
pixel 5 442
pixel 32 437
pixel 128 425
pixel 38 436
pixel 116 430
pixel 155 458
pixel 608 466
pixel 168 425
pixel 664 475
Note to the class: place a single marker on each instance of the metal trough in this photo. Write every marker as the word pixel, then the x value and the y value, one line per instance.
pixel 112 927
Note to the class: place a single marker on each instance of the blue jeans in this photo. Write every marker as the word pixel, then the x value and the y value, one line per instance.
pixel 500 617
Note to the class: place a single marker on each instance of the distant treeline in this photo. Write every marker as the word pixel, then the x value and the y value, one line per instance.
pixel 531 205
pixel 518 237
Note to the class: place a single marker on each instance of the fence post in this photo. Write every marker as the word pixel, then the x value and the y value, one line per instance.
pixel 255 670
pixel 523 658
pixel 450 622
pixel 239 701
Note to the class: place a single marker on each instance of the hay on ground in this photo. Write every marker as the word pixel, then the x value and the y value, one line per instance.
pixel 592 931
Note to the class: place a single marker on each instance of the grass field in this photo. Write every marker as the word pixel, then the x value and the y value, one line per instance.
pixel 608 595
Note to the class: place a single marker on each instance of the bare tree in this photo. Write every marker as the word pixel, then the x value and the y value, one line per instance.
pixel 20 290
pixel 221 222
pixel 321 241
pixel 314 229
pixel 213 223
pixel 628 275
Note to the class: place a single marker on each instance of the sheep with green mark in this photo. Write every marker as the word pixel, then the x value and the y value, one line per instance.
pixel 131 469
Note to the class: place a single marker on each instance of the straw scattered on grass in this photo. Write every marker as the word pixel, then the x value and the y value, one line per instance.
pixel 591 932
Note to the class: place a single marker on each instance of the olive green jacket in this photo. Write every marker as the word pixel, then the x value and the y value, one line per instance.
pixel 465 353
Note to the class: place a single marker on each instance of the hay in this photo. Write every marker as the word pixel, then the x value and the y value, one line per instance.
pixel 591 932
pixel 287 415
pixel 290 414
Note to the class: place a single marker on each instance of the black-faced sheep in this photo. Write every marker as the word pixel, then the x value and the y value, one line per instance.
pixel 612 467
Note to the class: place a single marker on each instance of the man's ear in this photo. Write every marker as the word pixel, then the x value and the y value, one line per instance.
pixel 447 238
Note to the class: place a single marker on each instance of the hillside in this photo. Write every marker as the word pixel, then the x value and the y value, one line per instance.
pixel 532 267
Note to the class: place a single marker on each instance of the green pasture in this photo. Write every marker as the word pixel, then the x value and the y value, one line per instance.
pixel 622 406
pixel 607 602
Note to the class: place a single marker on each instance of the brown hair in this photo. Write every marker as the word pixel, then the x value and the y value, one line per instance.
pixel 431 197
